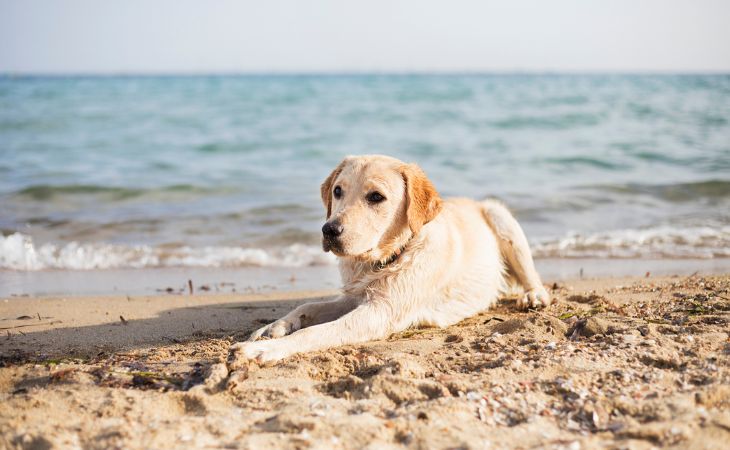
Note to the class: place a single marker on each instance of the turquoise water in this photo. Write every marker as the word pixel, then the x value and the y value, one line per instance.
pixel 103 172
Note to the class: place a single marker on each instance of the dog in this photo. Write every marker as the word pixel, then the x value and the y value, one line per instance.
pixel 406 257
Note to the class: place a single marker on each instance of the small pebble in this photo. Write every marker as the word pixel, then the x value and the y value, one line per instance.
pixel 473 396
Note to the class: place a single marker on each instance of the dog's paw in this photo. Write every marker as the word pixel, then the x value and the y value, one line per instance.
pixel 534 298
pixel 240 354
pixel 280 328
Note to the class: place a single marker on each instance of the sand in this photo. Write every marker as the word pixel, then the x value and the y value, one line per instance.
pixel 615 363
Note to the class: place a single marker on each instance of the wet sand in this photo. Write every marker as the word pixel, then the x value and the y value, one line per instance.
pixel 236 280
pixel 615 363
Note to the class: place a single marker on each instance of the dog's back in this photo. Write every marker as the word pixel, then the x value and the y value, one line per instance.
pixel 466 263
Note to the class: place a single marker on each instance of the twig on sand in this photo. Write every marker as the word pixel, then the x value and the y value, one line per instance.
pixel 53 322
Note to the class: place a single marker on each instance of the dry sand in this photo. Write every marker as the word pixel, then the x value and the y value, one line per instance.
pixel 615 363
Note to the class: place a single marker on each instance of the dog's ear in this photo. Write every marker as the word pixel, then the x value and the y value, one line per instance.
pixel 423 202
pixel 326 188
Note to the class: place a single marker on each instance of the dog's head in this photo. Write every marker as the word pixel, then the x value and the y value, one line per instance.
pixel 374 205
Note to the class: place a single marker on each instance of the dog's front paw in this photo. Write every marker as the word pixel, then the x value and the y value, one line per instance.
pixel 241 353
pixel 280 328
pixel 534 298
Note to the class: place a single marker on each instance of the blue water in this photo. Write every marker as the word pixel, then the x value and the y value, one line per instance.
pixel 208 171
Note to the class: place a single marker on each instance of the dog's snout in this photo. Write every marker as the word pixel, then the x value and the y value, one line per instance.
pixel 332 229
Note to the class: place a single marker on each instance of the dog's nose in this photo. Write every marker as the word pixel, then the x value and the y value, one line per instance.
pixel 332 229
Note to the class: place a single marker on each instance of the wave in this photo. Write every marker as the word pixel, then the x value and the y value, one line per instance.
pixel 586 161
pixel 676 192
pixel 553 122
pixel 659 242
pixel 41 192
pixel 19 252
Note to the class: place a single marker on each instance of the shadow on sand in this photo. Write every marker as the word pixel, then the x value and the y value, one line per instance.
pixel 229 319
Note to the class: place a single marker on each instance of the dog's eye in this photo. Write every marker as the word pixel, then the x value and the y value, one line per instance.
pixel 375 197
pixel 337 192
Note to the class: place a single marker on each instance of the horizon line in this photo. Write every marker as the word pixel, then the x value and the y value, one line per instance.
pixel 254 73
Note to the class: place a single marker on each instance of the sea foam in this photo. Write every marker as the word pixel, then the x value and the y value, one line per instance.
pixel 19 252
pixel 657 242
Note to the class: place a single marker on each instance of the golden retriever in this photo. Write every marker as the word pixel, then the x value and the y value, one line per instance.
pixel 406 257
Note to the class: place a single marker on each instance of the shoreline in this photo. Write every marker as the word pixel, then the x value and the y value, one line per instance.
pixel 237 280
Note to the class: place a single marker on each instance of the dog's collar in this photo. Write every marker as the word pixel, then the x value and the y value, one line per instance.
pixel 380 265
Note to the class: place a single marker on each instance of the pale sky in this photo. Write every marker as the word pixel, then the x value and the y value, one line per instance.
pixel 173 36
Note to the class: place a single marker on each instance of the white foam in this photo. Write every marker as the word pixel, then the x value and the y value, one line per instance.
pixel 666 242
pixel 18 252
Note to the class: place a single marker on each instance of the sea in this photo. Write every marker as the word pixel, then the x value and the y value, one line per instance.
pixel 128 172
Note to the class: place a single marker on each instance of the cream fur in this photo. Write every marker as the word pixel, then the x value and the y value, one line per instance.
pixel 454 266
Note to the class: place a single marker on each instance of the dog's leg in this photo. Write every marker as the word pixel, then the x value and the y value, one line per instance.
pixel 516 253
pixel 306 315
pixel 364 323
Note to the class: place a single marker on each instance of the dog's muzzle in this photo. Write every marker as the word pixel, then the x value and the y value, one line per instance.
pixel 331 232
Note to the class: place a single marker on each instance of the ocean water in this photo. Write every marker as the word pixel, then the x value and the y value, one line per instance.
pixel 211 171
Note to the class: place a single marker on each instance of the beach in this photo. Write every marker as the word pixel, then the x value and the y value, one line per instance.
pixel 147 222
pixel 616 362
pixel 175 176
